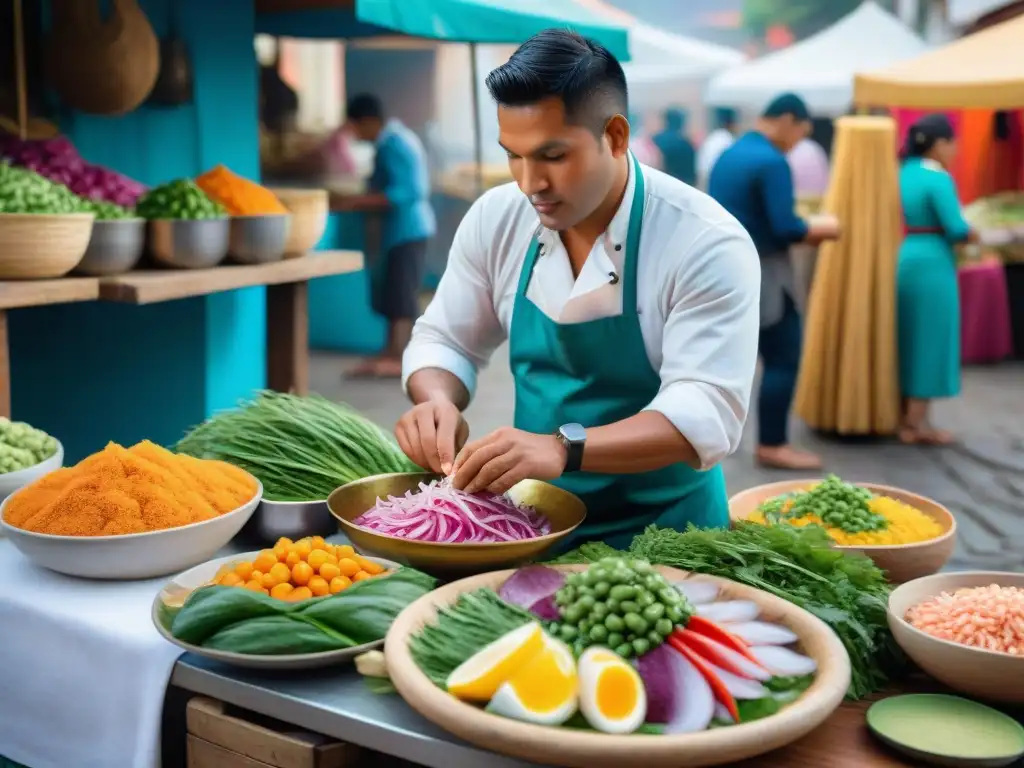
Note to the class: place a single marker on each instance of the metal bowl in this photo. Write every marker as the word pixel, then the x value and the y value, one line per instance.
pixel 565 511
pixel 115 247
pixel 189 243
pixel 259 239
pixel 292 519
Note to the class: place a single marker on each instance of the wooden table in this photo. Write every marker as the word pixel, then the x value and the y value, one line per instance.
pixel 15 294
pixel 287 304
pixel 287 301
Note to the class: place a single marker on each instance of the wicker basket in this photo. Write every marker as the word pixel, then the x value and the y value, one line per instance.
pixel 40 246
pixel 309 209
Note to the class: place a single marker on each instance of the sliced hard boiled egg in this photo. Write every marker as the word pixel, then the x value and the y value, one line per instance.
pixel 480 676
pixel 612 695
pixel 543 690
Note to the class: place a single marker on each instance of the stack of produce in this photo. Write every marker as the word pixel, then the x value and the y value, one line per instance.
pixel 555 649
pixel 299 570
pixel 58 160
pixel 179 199
pixel 23 446
pixel 129 490
pixel 1000 221
pixel 245 621
pixel 300 447
pixel 239 195
pixel 24 191
pixel 852 516
pixel 799 564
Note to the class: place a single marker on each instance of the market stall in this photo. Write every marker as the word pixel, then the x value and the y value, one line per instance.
pixel 978 81
pixel 820 68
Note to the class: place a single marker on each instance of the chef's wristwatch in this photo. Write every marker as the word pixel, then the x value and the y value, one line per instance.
pixel 574 438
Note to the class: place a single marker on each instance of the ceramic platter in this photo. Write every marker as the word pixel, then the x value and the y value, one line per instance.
pixel 585 749
pixel 174 593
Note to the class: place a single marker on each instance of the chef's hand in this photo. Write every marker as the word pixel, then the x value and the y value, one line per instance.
pixel 497 462
pixel 432 433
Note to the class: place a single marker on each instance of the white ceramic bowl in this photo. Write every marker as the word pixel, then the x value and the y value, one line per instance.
pixel 133 555
pixel 13 481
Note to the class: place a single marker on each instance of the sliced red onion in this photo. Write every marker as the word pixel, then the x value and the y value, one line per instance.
pixel 440 513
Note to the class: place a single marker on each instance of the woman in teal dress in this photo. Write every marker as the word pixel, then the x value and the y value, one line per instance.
pixel 928 301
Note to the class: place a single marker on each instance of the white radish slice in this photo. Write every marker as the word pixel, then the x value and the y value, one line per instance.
pixel 696 705
pixel 729 611
pixel 738 687
pixel 782 661
pixel 722 714
pixel 762 633
pixel 698 591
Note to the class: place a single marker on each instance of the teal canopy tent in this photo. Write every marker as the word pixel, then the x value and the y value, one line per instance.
pixel 456 21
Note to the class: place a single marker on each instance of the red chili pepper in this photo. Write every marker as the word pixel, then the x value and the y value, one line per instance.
pixel 717 686
pixel 709 629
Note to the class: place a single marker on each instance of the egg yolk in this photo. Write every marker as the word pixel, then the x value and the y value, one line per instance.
pixel 543 686
pixel 615 693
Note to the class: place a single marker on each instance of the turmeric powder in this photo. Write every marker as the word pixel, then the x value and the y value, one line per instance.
pixel 239 195
pixel 129 490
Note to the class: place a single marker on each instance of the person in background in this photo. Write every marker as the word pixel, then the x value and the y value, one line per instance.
pixel 679 158
pixel 628 300
pixel 400 189
pixel 809 165
pixel 927 296
pixel 716 143
pixel 641 144
pixel 753 181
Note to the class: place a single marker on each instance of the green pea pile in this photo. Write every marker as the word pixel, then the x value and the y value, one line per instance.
pixel 621 604
pixel 24 191
pixel 839 505
pixel 179 199
pixel 106 211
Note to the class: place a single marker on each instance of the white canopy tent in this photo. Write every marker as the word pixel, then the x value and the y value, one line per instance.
pixel 821 68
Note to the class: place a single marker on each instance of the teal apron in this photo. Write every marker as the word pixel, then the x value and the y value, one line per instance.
pixel 596 373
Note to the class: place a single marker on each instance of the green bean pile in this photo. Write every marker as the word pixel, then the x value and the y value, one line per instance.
pixel 840 505
pixel 179 199
pixel 24 191
pixel 622 604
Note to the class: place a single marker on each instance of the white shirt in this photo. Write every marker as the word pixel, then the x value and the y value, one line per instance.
pixel 698 292
pixel 714 145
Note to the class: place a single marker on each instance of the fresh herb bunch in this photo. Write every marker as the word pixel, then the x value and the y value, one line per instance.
pixel 845 590
pixel 472 622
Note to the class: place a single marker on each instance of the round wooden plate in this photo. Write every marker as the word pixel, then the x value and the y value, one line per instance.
pixel 585 749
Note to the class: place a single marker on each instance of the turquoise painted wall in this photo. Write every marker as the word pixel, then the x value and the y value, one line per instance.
pixel 94 372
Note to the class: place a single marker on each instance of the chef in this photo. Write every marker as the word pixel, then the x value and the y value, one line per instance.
pixel 629 301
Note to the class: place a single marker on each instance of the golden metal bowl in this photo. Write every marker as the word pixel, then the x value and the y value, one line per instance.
pixel 565 511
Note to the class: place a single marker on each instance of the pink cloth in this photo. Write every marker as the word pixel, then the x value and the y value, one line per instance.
pixel 337 154
pixel 809 164
pixel 986 335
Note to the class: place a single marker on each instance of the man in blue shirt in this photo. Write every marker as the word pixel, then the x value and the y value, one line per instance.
pixel 400 188
pixel 753 181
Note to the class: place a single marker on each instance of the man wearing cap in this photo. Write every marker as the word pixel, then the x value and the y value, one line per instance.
pixel 753 181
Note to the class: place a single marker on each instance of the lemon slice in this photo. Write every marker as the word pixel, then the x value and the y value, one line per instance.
pixel 479 677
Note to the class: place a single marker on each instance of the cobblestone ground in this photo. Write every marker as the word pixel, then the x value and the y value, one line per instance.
pixel 981 479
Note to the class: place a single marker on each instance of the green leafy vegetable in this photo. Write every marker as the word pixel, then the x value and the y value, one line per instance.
pixel 300 447
pixel 845 590
pixel 239 620
pixel 473 621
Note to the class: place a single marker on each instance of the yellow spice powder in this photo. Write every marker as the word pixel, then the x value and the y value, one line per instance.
pixel 907 525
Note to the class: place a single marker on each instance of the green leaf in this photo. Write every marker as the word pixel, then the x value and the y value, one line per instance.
pixel 275 635
pixel 208 610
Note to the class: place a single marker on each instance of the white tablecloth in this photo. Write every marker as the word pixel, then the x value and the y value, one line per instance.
pixel 83 671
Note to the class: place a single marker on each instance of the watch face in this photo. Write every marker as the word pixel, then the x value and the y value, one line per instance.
pixel 574 433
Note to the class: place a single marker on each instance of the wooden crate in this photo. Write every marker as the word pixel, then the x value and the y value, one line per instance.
pixel 221 736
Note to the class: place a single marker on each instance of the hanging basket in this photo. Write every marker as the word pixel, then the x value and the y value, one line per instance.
pixel 102 67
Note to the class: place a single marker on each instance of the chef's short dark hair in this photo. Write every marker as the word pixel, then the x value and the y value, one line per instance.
pixel 365 106
pixel 560 63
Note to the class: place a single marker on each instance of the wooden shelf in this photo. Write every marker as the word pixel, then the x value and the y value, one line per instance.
pixel 38 293
pixel 151 286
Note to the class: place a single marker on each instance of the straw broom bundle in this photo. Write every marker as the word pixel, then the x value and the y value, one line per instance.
pixel 848 380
